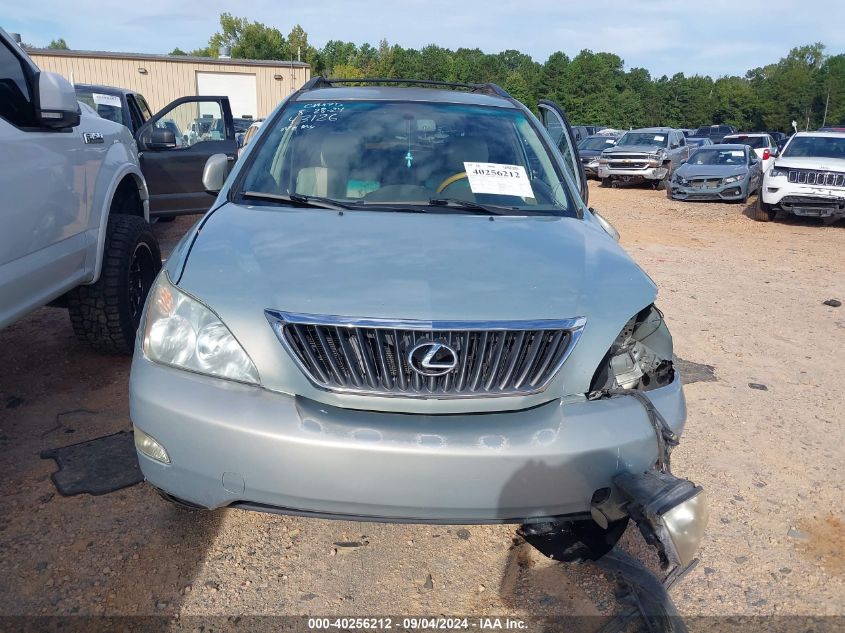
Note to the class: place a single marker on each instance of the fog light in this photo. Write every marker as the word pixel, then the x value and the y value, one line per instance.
pixel 670 512
pixel 150 447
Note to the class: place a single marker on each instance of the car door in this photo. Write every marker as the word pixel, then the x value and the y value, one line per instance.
pixel 755 169
pixel 678 151
pixel 46 195
pixel 557 125
pixel 174 146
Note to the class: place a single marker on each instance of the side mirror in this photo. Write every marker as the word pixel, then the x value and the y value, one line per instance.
pixel 215 172
pixel 607 226
pixel 161 138
pixel 674 146
pixel 57 106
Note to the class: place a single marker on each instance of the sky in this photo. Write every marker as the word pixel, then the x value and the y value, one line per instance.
pixel 712 37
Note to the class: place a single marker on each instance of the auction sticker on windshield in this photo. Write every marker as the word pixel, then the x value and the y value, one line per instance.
pixel 495 178
pixel 109 100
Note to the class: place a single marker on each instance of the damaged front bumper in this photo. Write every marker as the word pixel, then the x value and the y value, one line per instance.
pixel 632 175
pixel 729 192
pixel 244 446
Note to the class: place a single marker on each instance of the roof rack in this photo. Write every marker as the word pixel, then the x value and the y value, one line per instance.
pixel 485 88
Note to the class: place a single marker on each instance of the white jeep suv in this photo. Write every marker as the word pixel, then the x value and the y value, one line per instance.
pixel 74 208
pixel 807 179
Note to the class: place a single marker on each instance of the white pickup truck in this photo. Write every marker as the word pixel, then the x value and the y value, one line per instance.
pixel 74 208
pixel 807 179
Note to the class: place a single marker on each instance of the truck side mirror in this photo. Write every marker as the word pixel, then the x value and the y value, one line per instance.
pixel 57 106
pixel 161 138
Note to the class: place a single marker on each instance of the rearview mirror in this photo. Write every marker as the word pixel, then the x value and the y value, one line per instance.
pixel 214 173
pixel 57 106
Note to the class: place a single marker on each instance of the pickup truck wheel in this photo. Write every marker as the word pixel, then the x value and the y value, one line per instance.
pixel 106 314
pixel 607 182
pixel 763 212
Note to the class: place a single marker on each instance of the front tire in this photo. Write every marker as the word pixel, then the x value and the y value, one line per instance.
pixel 106 314
pixel 607 183
pixel 763 212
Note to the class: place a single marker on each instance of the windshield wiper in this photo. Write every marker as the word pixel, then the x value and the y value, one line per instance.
pixel 490 209
pixel 296 200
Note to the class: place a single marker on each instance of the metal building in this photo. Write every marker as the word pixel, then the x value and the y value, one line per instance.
pixel 254 87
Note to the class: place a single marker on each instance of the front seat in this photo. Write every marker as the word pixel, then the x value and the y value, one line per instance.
pixel 337 156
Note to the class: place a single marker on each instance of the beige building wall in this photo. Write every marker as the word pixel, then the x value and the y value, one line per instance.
pixel 170 77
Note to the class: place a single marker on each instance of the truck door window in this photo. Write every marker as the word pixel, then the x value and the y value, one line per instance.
pixel 194 122
pixel 15 95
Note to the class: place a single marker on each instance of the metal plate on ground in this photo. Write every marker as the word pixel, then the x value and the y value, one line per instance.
pixel 97 466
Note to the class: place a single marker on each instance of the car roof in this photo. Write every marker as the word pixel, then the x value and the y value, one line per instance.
pixel 392 93
pixel 722 146
pixel 735 134
pixel 105 89
pixel 825 134
pixel 655 129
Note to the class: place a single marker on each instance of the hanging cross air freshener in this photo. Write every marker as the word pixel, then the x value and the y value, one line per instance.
pixel 409 157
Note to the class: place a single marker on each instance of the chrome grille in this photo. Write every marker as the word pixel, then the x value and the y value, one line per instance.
pixel 628 161
pixel 818 178
pixel 371 356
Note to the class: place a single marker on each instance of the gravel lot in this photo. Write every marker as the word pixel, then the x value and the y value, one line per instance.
pixel 740 296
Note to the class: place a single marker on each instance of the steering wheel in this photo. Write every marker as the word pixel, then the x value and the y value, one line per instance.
pixel 451 180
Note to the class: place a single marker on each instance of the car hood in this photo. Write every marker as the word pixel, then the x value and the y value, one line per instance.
pixel 720 171
pixel 634 149
pixel 590 153
pixel 393 265
pixel 811 162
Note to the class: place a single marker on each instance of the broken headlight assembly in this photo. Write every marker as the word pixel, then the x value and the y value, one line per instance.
pixel 640 357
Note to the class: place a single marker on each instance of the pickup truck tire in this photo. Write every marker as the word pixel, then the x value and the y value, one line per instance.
pixel 763 212
pixel 607 182
pixel 106 314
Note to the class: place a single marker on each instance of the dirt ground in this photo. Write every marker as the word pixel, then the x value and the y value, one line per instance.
pixel 740 296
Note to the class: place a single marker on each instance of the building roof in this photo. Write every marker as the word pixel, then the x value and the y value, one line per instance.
pixel 222 61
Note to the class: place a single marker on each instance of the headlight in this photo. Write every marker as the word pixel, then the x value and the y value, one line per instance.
pixel 593 163
pixel 680 179
pixel 776 171
pixel 181 332
pixel 640 357
pixel 731 179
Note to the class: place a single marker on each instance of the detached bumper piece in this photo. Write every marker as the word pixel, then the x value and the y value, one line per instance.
pixel 671 513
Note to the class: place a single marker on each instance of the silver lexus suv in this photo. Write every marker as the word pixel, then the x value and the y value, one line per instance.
pixel 400 308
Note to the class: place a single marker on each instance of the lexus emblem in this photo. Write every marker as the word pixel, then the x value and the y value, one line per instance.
pixel 432 359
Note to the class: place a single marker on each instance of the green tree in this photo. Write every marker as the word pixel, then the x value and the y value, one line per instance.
pixel 59 44
pixel 178 51
pixel 246 40
pixel 299 47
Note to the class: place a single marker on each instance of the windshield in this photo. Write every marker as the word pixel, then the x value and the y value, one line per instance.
pixel 712 156
pixel 107 106
pixel 658 139
pixel 816 146
pixel 757 142
pixel 400 154
pixel 597 143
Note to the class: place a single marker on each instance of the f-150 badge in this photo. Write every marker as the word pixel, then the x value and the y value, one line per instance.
pixel 92 137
